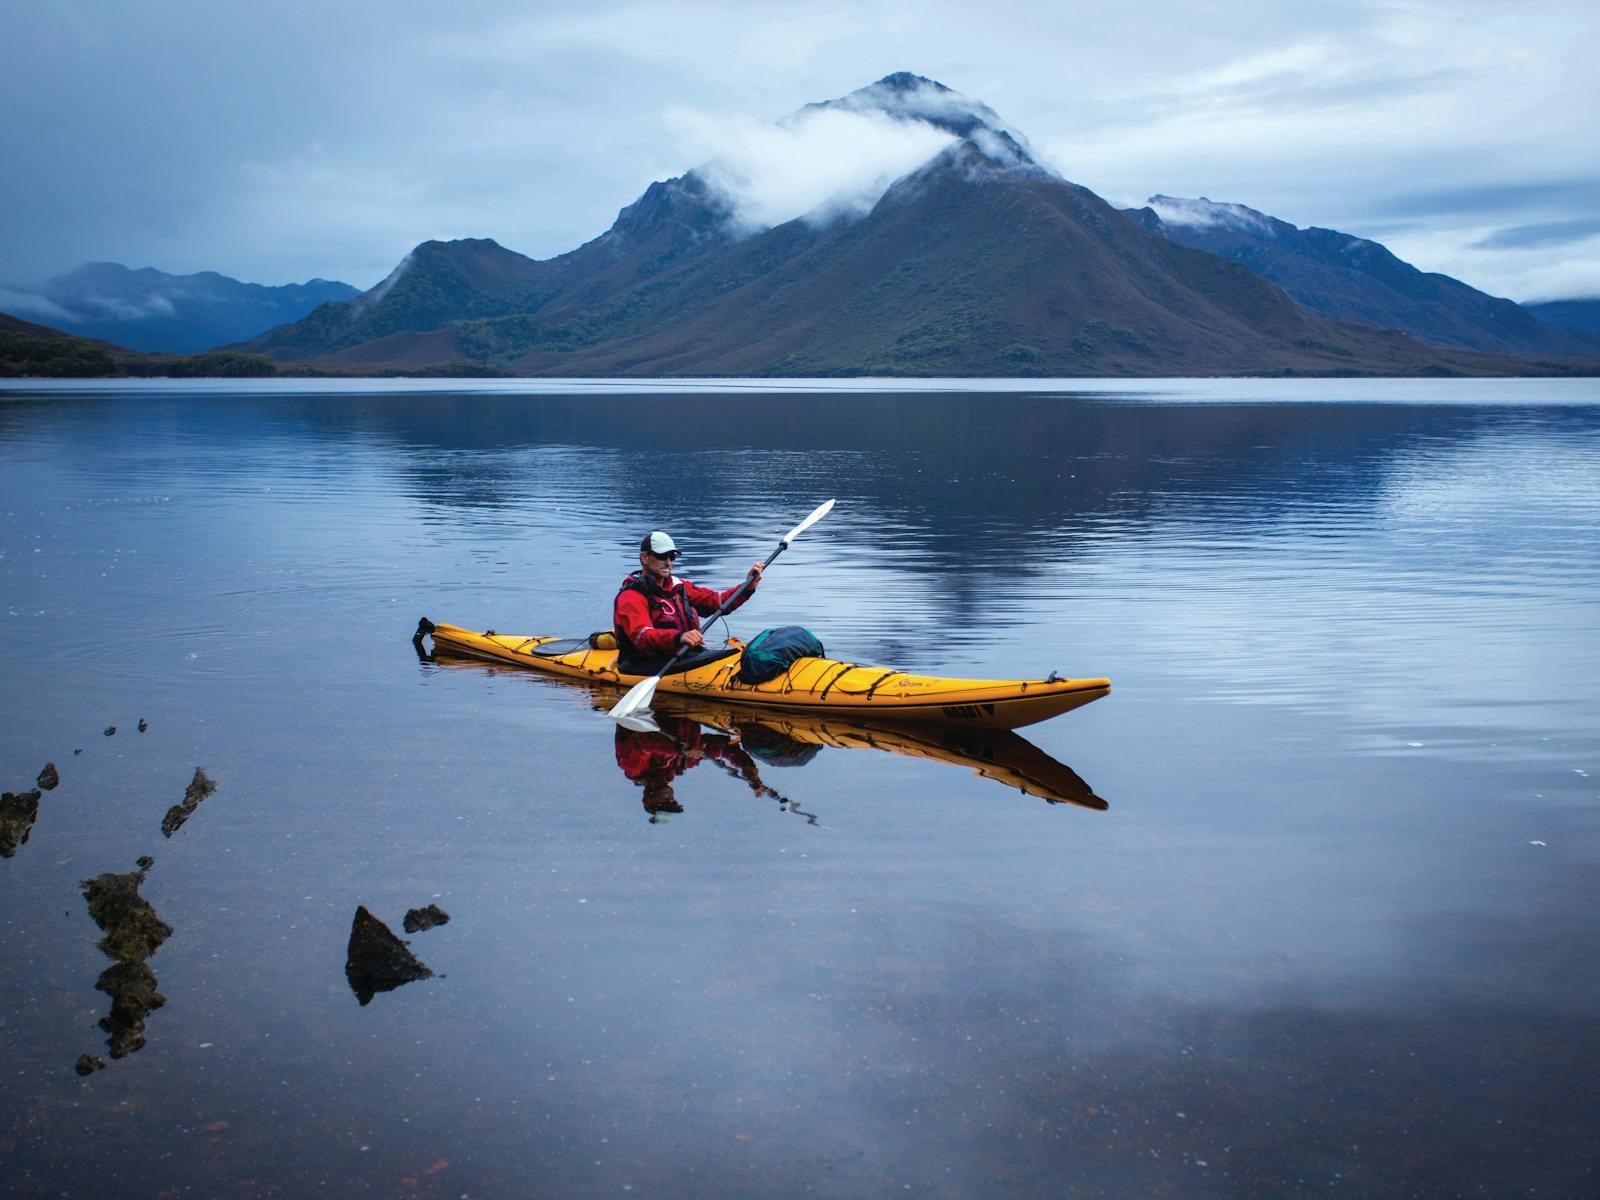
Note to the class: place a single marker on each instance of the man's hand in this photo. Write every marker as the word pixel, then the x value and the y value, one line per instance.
pixel 690 637
pixel 755 571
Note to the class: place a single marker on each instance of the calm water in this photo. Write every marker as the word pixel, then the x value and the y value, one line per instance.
pixel 1333 933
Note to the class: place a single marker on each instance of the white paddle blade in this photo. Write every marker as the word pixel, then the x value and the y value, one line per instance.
pixel 640 722
pixel 822 510
pixel 638 697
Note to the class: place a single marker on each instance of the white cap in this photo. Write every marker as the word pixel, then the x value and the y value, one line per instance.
pixel 658 543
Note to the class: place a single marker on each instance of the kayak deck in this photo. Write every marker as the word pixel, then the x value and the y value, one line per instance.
pixel 819 685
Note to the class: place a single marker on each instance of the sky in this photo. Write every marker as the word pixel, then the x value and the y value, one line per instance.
pixel 276 142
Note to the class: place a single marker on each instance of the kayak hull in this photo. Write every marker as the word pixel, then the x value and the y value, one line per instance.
pixel 814 685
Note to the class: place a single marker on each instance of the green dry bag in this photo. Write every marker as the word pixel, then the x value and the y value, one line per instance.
pixel 771 652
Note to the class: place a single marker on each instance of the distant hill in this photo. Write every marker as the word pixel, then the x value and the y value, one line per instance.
pixel 30 351
pixel 10 324
pixel 27 349
pixel 982 261
pixel 152 311
pixel 1570 314
pixel 1346 278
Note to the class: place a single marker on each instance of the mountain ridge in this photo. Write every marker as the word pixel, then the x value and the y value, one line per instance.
pixel 152 311
pixel 1580 312
pixel 980 261
pixel 1348 278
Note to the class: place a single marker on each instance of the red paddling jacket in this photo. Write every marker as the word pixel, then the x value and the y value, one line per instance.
pixel 648 619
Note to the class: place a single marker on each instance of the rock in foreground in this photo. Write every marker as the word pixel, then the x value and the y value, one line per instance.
pixel 199 788
pixel 376 960
pixel 418 919
pixel 133 933
pixel 17 815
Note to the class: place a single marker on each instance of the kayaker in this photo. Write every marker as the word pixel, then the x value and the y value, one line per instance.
pixel 655 612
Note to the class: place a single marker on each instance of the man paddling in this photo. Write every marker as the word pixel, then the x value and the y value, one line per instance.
pixel 656 613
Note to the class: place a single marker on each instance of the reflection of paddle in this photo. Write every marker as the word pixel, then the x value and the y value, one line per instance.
pixel 640 695
pixel 762 788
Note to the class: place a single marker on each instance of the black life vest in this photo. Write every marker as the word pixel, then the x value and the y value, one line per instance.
pixel 669 609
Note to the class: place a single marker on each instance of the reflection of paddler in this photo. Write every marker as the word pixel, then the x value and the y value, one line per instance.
pixel 653 758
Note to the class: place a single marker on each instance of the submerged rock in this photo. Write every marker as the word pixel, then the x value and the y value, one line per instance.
pixel 132 988
pixel 133 933
pixel 418 919
pixel 88 1064
pixel 199 788
pixel 49 778
pixel 17 814
pixel 376 960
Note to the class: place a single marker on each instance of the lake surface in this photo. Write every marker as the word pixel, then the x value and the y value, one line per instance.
pixel 1332 933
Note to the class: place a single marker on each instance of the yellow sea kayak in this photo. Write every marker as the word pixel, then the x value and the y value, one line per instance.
pixel 816 685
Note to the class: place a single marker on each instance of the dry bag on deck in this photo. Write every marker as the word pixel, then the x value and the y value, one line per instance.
pixel 772 650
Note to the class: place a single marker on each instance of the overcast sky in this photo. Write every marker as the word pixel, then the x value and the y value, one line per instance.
pixel 279 141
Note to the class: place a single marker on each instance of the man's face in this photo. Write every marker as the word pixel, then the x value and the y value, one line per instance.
pixel 659 565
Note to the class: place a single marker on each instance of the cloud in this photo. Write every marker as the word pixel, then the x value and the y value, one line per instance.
pixel 27 304
pixel 535 124
pixel 1493 198
pixel 1524 273
pixel 820 164
pixel 386 284
pixel 128 308
pixel 1543 233
pixel 1204 213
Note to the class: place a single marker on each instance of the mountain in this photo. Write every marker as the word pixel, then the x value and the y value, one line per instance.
pixel 1582 315
pixel 150 310
pixel 979 261
pixel 1346 278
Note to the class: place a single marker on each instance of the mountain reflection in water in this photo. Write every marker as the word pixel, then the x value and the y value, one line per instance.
pixel 741 739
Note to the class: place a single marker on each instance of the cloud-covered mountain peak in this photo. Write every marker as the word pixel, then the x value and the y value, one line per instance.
pixel 904 96
pixel 835 159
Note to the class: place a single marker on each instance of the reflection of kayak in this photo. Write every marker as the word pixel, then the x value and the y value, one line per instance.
pixel 998 754
pixel 818 685
pixel 792 738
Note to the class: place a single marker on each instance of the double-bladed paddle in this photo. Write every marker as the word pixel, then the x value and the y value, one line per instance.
pixel 640 695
